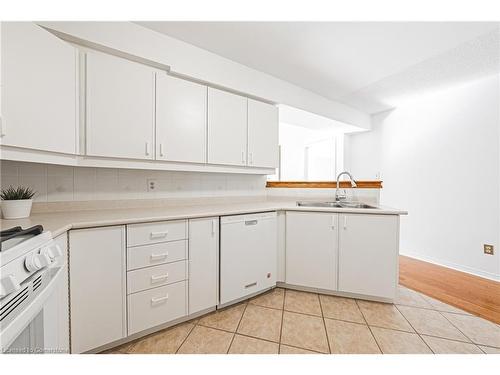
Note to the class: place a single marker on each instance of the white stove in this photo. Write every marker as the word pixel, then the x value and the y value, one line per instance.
pixel 30 270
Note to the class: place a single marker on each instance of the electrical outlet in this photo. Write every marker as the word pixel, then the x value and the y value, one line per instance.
pixel 488 249
pixel 152 185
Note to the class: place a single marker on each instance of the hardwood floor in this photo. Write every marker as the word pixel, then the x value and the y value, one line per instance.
pixel 473 294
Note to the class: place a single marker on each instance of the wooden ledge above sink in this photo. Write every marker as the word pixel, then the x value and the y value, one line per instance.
pixel 323 184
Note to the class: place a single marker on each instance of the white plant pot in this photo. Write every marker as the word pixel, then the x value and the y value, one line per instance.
pixel 16 209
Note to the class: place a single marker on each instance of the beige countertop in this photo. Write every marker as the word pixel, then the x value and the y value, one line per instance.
pixel 60 222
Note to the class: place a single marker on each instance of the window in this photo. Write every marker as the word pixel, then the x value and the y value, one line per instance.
pixel 307 154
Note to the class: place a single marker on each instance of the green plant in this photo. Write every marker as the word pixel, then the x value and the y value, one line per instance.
pixel 21 192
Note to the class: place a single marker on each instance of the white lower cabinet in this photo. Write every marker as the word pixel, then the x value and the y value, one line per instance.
pixel 155 254
pixel 311 249
pixel 157 273
pixel 248 255
pixel 203 263
pixel 97 287
pixel 156 306
pixel 368 254
pixel 349 253
pixel 152 277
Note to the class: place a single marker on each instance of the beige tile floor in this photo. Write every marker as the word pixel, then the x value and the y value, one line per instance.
pixel 291 322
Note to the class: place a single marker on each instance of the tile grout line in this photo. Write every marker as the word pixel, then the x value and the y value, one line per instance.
pixel 298 347
pixel 324 324
pixel 445 303
pixel 189 334
pixel 446 339
pixel 442 314
pixel 370 328
pixel 282 318
pixel 237 327
pixel 426 297
pixel 418 333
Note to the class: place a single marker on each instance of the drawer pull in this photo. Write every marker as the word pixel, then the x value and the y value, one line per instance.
pixel 159 299
pixel 250 285
pixel 251 222
pixel 159 256
pixel 159 234
pixel 159 278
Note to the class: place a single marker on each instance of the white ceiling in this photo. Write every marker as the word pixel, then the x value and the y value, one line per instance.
pixel 351 62
pixel 298 117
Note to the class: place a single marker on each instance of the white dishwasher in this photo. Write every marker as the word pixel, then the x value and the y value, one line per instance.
pixel 248 255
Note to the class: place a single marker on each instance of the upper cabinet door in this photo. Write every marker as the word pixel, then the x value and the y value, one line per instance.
pixel 262 134
pixel 181 120
pixel 120 108
pixel 227 128
pixel 39 89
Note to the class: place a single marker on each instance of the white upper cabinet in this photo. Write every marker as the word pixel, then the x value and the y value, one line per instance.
pixel 227 128
pixel 181 120
pixel 120 108
pixel 262 134
pixel 39 89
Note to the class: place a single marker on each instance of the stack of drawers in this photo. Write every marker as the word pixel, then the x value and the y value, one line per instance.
pixel 156 273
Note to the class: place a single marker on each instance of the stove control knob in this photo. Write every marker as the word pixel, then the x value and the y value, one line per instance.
pixel 44 259
pixel 33 262
pixel 52 252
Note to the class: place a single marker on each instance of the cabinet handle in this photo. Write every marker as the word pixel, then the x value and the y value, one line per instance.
pixel 159 256
pixel 213 227
pixel 159 277
pixel 250 285
pixel 161 149
pixel 251 157
pixel 243 157
pixel 159 299
pixel 147 148
pixel 251 222
pixel 333 222
pixel 345 222
pixel 159 234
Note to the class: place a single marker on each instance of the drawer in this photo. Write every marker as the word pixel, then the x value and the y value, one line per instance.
pixel 152 255
pixel 151 277
pixel 149 233
pixel 156 306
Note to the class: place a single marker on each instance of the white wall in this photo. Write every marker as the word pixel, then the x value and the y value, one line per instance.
pixel 293 140
pixel 187 59
pixel 55 183
pixel 438 155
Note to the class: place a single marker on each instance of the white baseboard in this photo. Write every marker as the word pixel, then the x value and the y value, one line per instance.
pixel 458 267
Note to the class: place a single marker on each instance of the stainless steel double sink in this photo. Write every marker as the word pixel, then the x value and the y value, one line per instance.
pixel 336 204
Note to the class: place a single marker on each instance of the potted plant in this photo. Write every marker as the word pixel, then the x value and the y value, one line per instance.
pixel 16 202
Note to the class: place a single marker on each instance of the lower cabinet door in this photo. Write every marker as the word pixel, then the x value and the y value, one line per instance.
pixel 97 287
pixel 368 256
pixel 311 249
pixel 203 263
pixel 156 306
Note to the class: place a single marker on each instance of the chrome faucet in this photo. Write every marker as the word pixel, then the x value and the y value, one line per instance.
pixel 338 196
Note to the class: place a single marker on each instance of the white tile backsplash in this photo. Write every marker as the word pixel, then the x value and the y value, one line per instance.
pixel 55 183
